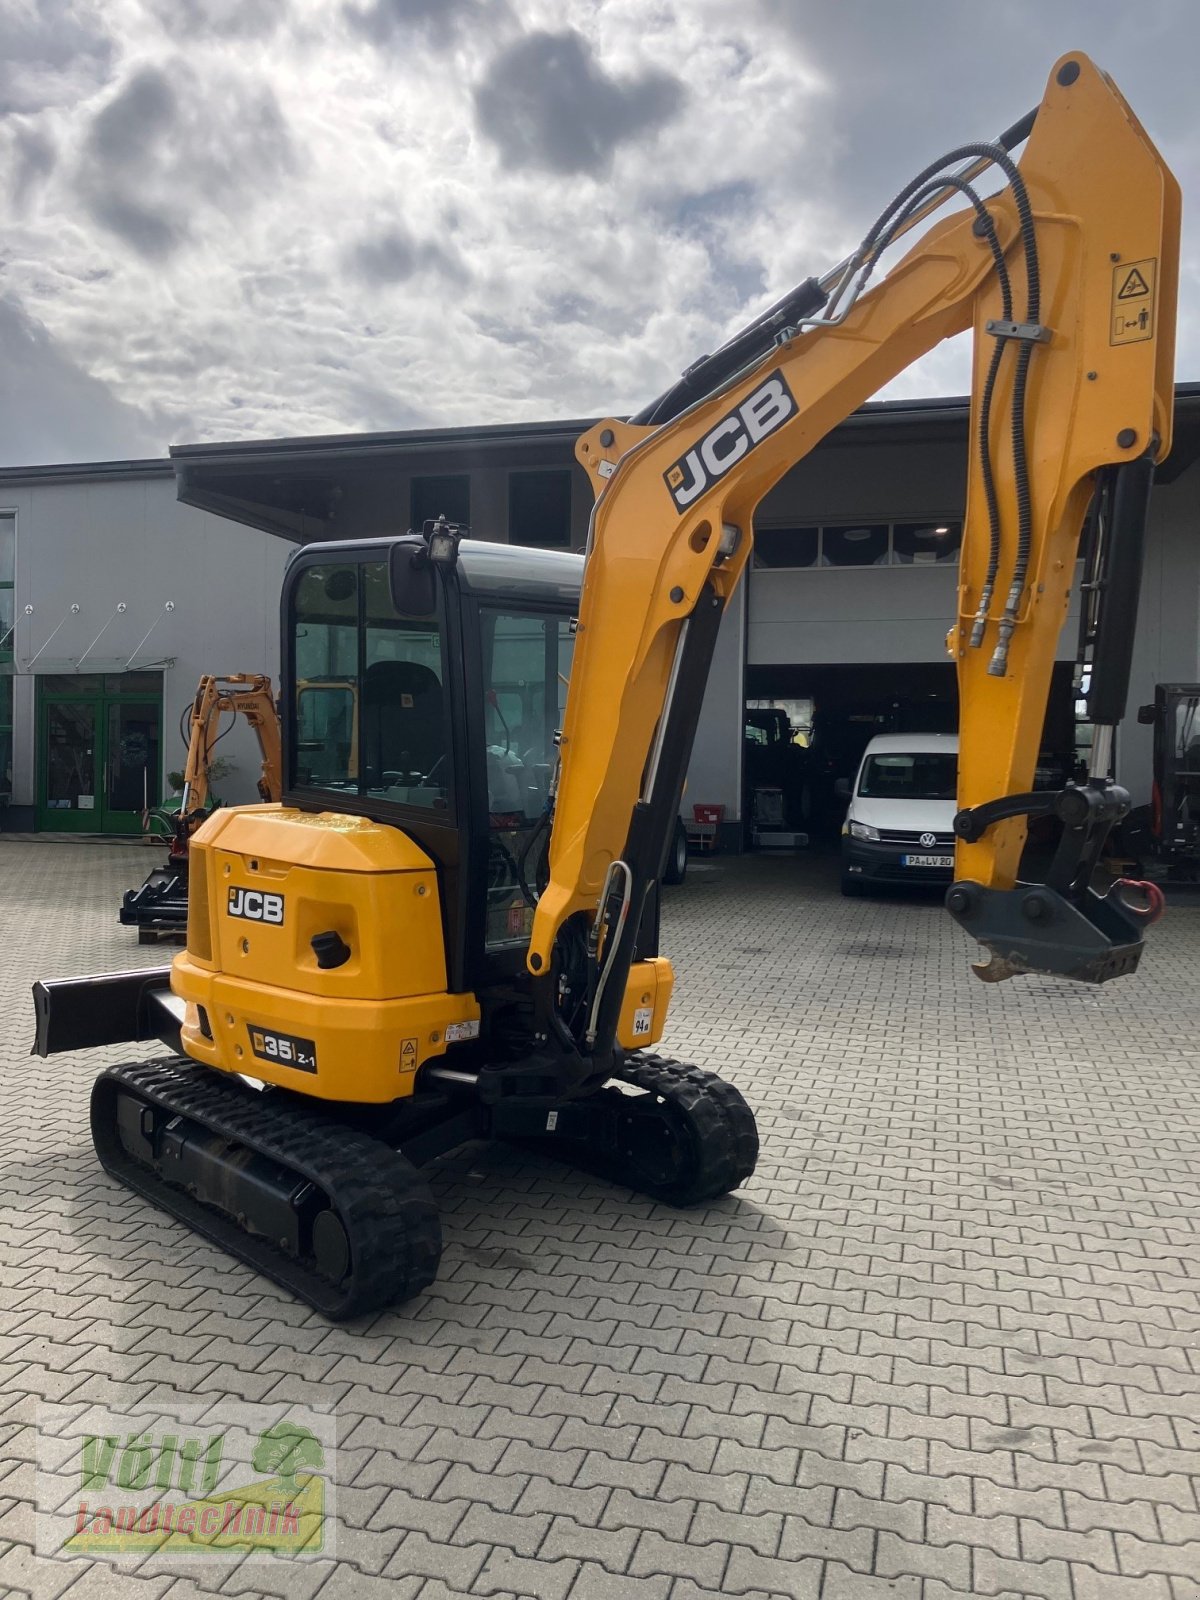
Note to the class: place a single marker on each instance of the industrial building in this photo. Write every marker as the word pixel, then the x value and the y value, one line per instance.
pixel 120 582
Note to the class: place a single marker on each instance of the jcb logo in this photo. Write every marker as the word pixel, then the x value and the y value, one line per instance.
pixel 768 408
pixel 255 906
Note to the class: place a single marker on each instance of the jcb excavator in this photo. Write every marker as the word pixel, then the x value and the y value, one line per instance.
pixel 453 934
pixel 162 901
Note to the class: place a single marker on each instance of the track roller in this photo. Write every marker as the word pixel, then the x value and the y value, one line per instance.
pixel 337 1217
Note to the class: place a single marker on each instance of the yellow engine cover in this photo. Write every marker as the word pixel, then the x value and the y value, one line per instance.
pixel 263 881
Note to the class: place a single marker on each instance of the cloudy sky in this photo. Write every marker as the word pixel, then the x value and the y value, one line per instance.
pixel 244 218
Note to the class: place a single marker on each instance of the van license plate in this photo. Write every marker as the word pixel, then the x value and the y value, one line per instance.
pixel 928 861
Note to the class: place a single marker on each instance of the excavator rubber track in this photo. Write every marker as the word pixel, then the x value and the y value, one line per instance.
pixel 688 1138
pixel 338 1218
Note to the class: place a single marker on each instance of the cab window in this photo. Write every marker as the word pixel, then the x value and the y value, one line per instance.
pixel 370 714
pixel 526 665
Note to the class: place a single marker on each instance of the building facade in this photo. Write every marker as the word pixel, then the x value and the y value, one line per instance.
pixel 118 597
pixel 121 582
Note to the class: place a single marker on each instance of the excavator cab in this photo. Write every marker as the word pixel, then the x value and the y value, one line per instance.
pixel 439 694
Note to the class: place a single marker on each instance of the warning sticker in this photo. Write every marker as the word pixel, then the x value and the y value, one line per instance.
pixel 408 1055
pixel 1132 317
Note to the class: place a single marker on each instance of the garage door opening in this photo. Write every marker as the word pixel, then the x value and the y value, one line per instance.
pixel 806 727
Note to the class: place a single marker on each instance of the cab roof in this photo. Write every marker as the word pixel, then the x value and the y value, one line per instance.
pixel 514 570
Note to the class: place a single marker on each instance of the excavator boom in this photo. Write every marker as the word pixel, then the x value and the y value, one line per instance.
pixel 1068 277
pixel 242 694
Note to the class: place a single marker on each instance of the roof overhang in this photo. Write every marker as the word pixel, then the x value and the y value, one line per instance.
pixel 315 488
pixel 304 489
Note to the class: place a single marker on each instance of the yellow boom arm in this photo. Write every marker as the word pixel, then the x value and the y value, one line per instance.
pixel 672 527
pixel 244 694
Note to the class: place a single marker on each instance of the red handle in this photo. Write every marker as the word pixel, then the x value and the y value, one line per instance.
pixel 1156 901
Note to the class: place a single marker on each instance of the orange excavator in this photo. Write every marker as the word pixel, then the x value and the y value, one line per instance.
pixel 161 904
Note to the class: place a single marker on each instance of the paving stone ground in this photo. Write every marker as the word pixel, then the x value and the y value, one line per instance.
pixel 946 1342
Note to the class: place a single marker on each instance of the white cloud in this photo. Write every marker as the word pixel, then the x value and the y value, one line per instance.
pixel 299 217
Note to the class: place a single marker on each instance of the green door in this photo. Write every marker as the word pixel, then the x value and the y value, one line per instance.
pixel 98 751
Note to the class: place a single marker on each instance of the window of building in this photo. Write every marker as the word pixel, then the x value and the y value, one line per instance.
pixel 787 547
pixel 8 546
pixel 539 508
pixel 446 495
pixel 865 546
pixel 874 544
pixel 926 544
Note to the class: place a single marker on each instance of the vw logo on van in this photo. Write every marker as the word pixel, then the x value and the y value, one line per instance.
pixel 928 839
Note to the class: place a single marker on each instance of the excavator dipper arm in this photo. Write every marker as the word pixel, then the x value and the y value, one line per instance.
pixel 1068 277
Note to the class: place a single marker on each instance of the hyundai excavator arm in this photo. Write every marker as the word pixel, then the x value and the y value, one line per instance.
pixel 1068 277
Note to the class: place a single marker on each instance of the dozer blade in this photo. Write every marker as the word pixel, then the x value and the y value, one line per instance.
pixel 340 1219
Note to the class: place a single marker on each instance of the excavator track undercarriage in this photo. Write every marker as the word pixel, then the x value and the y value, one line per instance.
pixel 686 1138
pixel 345 1221
pixel 337 1217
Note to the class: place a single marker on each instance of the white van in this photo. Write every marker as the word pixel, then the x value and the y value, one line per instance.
pixel 900 825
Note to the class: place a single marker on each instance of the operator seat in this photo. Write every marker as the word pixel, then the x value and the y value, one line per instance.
pixel 404 725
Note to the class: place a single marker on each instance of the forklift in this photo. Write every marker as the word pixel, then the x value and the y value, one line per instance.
pixel 1172 821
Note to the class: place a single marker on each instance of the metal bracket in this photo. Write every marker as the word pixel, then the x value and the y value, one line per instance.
pixel 1079 806
pixel 1032 928
pixel 974 822
pixel 1030 332
pixel 1061 926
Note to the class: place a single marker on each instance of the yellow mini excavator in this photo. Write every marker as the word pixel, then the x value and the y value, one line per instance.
pixel 448 929
pixel 160 905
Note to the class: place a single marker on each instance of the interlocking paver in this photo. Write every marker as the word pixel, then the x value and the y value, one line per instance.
pixel 597 1583
pixel 747 1572
pixel 610 1547
pixel 702 1563
pixel 532 1580
pixel 672 1518
pixel 944 1344
pixel 1092 1585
